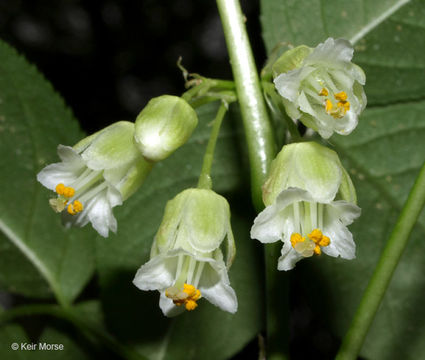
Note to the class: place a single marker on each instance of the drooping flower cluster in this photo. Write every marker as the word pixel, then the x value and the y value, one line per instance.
pixel 322 87
pixel 309 200
pixel 187 260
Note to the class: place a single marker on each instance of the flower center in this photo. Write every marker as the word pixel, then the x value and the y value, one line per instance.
pixel 187 296
pixel 310 246
pixel 188 274
pixel 61 202
pixel 87 185
pixel 342 106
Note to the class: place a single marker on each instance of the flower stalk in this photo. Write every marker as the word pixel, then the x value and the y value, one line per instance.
pixel 205 177
pixel 381 278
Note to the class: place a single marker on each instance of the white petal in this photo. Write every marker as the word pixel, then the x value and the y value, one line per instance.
pixel 342 79
pixel 99 212
pixel 289 257
pixel 331 52
pixel 337 216
pixel 55 174
pixel 305 105
pixel 288 84
pixel 167 306
pixel 347 124
pixel 345 211
pixel 215 287
pixel 114 196
pixel 63 172
pixel 157 274
pixel 268 225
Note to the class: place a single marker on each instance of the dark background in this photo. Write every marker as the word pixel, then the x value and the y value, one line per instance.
pixel 108 58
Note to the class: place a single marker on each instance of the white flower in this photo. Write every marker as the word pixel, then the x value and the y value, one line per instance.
pixel 310 201
pixel 98 173
pixel 187 254
pixel 322 87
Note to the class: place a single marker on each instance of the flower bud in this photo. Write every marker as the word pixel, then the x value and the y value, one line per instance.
pixel 165 124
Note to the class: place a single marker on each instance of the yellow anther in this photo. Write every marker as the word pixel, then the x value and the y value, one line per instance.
pixel 68 192
pixel 324 241
pixel 60 188
pixel 341 96
pixel 328 106
pixel 78 206
pixel 187 296
pixel 191 305
pixel 324 92
pixel 296 238
pixel 345 105
pixel 75 207
pixel 70 209
pixel 319 239
pixel 316 235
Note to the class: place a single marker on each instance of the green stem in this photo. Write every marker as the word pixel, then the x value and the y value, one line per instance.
pixel 381 278
pixel 258 130
pixel 81 324
pixel 205 177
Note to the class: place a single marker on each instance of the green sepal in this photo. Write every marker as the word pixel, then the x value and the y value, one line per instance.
pixel 291 59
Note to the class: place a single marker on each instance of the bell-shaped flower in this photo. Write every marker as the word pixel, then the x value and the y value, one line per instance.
pixel 309 200
pixel 321 86
pixel 98 173
pixel 191 253
pixel 165 124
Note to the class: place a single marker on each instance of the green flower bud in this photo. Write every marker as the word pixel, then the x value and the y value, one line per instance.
pixel 165 124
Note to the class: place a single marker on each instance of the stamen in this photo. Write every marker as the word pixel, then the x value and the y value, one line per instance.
pixel 296 238
pixel 324 92
pixel 187 296
pixel 328 106
pixel 319 239
pixel 75 207
pixel 68 192
pixel 341 96
pixel 60 189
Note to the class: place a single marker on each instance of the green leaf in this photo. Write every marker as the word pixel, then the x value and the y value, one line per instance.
pixel 27 281
pixel 383 156
pixel 311 21
pixel 134 316
pixel 33 121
